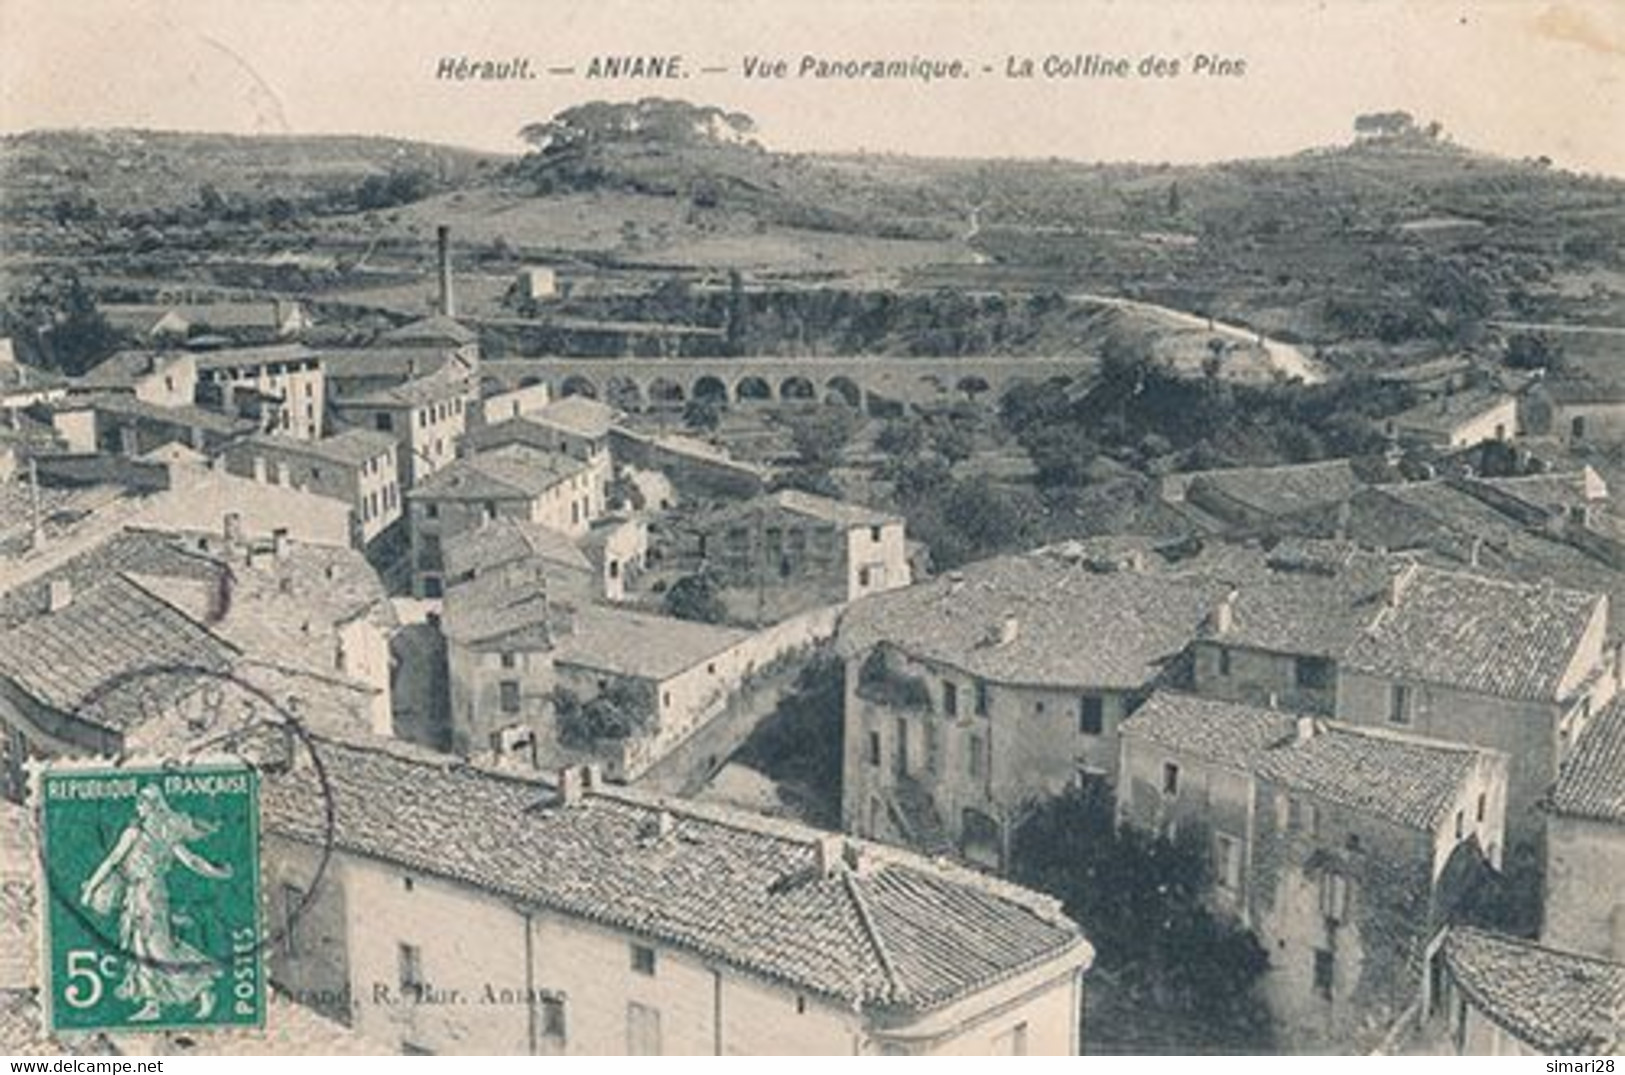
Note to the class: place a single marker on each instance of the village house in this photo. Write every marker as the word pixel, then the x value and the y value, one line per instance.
pixel 426 417
pixel 828 550
pixel 618 546
pixel 1344 849
pixel 118 424
pixel 460 910
pixel 359 372
pixel 80 677
pixel 972 696
pixel 258 322
pixel 1250 497
pixel 512 388
pixel 282 385
pixel 1509 996
pixel 22 386
pixel 512 482
pixel 356 466
pixel 1584 907
pixel 574 426
pixel 161 378
pixel 1508 667
pixel 437 330
pixel 1459 420
pixel 498 543
pixel 1583 412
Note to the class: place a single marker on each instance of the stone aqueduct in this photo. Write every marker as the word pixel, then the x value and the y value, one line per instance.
pixel 854 381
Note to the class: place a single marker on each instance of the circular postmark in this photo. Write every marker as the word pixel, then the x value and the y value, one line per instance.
pixel 149 861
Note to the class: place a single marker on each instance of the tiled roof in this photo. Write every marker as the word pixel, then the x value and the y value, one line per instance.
pixel 377 362
pixel 629 643
pixel 1074 627
pixel 1307 603
pixel 1407 780
pixel 352 447
pixel 499 604
pixel 249 357
pixel 435 329
pixel 513 470
pixel 432 388
pixel 1404 779
pixel 1447 413
pixel 577 414
pixel 1591 783
pixel 1278 490
pixel 1585 392
pixel 74 659
pixel 188 416
pixel 506 541
pixel 1224 733
pixel 1478 634
pixel 146 552
pixel 896 932
pixel 1554 1002
pixel 839 512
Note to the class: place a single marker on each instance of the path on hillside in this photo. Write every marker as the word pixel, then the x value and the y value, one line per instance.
pixel 1291 361
pixel 1568 327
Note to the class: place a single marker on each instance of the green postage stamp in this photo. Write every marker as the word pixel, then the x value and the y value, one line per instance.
pixel 151 883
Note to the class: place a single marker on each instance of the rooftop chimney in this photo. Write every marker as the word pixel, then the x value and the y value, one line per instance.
pixel 570 786
pixel 1006 631
pixel 665 825
pixel 830 850
pixel 60 595
pixel 1304 729
pixel 443 255
pixel 231 527
pixel 1224 614
pixel 279 542
pixel 1475 551
pixel 592 777
pixel 1397 583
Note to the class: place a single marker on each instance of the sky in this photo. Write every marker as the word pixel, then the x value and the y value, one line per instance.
pixel 1515 77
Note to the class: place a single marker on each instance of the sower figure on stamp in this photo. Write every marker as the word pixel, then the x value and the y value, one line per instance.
pixel 163 970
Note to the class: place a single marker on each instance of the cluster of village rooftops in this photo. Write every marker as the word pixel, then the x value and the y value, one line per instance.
pixel 1377 709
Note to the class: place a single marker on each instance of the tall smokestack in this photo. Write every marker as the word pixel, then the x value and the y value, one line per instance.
pixel 443 253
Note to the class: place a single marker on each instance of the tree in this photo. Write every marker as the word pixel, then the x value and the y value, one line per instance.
pixel 622 710
pixel 702 413
pixel 697 598
pixel 80 335
pixel 820 436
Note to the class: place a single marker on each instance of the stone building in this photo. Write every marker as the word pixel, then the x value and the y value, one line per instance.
pixel 356 466
pixel 426 416
pixel 285 380
pixel 514 482
pixel 1345 850
pixel 1585 844
pixel 1461 420
pixel 972 695
pixel 465 911
pixel 1508 996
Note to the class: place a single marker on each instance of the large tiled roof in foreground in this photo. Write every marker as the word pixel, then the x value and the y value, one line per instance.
pixel 1592 781
pixel 1554 1002
pixel 893 931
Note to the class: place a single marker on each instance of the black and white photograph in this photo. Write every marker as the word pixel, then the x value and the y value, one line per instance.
pixel 909 528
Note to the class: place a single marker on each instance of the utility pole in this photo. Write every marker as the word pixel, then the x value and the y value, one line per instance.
pixel 37 530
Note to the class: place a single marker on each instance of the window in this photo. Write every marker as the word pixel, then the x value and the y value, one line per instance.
pixel 1227 862
pixel 874 748
pixel 1399 704
pixel 1311 812
pixel 976 759
pixel 409 958
pixel 431 511
pixel 874 533
pixel 801 1004
pixel 950 699
pixel 981 698
pixel 1224 661
pixel 1091 715
pixel 509 659
pixel 293 899
pixel 1325 971
pixel 1334 897
pixel 1461 824
pixel 1170 778
pixel 1012 1042
pixel 490 509
pixel 1313 673
pixel 1482 802
pixel 643 959
pixel 1577 427
pixel 432 586
pixel 552 1014
pixel 508 691
pixel 642 1030
pixel 384 422
pixel 863 576
pixel 933 748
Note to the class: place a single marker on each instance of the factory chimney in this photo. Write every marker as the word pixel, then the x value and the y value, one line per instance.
pixel 443 254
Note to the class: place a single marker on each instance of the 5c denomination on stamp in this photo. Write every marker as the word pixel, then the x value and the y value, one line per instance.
pixel 151 876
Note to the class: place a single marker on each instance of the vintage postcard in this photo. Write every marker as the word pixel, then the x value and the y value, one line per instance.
pixel 918 527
